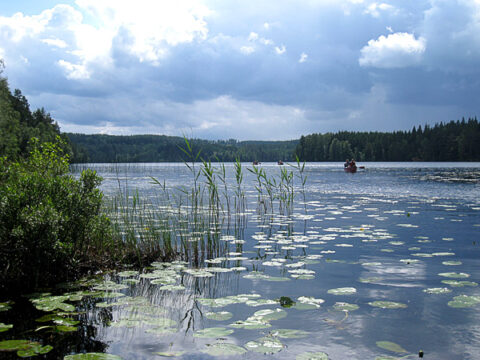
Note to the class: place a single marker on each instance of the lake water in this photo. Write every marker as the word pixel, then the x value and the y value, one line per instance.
pixel 378 265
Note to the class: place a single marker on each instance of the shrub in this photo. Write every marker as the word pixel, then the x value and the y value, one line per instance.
pixel 50 222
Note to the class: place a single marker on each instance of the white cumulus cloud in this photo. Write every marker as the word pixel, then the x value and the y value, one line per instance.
pixel 394 51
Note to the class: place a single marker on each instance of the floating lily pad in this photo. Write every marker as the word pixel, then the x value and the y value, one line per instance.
pixel 25 348
pixel 35 350
pixel 5 327
pixel 452 263
pixel 464 301
pixel 251 323
pixel 459 283
pixel 92 356
pixel 65 328
pixel 219 316
pixel 199 272
pixel 312 356
pixel 50 303
pixel 128 273
pixel 387 304
pixel 265 345
pixel 224 349
pixel 270 314
pixel 454 275
pixel 14 345
pixel 213 332
pixel 437 290
pixel 409 261
pixel 260 302
pixel 342 291
pixel 343 306
pixel 5 306
pixel 289 333
pixel 169 353
pixel 390 346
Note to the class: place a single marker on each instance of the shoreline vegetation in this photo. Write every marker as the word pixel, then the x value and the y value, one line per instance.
pixel 453 141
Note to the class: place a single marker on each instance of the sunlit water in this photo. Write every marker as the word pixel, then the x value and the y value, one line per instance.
pixel 389 233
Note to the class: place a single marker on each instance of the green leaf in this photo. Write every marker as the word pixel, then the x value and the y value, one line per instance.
pixel 224 349
pixel 391 346
pixel 312 356
pixel 213 332
pixel 92 356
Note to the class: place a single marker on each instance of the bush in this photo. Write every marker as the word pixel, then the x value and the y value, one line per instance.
pixel 50 222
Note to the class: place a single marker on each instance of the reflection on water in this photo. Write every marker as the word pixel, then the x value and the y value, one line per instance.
pixel 344 278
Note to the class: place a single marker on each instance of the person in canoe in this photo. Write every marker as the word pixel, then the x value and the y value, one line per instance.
pixel 350 166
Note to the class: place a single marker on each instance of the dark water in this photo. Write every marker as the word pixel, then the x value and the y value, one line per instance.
pixel 387 233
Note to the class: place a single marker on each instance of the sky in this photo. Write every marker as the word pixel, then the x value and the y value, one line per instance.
pixel 248 70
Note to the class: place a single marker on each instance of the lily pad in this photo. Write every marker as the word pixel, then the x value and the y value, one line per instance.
pixel 92 356
pixel 213 332
pixel 343 291
pixel 265 345
pixel 343 306
pixel 224 349
pixel 5 306
pixel 51 303
pixel 169 353
pixel 387 304
pixel 452 263
pixel 251 323
pixel 128 273
pixel 454 275
pixel 391 346
pixel 459 283
pixel 312 356
pixel 464 301
pixel 219 316
pixel 289 333
pixel 110 286
pixel 437 290
pixel 270 314
pixel 5 327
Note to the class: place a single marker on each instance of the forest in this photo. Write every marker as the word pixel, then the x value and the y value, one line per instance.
pixel 161 148
pixel 452 141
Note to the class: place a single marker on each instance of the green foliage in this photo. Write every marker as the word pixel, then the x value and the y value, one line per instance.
pixel 18 124
pixel 453 141
pixel 157 148
pixel 49 221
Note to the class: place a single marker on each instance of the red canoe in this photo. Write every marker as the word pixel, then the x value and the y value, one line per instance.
pixel 351 169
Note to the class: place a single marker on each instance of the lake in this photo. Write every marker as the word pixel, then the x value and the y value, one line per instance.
pixel 380 264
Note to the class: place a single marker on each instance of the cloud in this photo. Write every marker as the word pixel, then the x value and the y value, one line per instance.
pixel 157 66
pixel 247 50
pixel 55 42
pixel 375 9
pixel 394 51
pixel 280 49
pixel 303 58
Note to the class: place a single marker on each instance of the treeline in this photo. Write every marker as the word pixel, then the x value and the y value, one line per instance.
pixel 18 124
pixel 158 148
pixel 452 141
